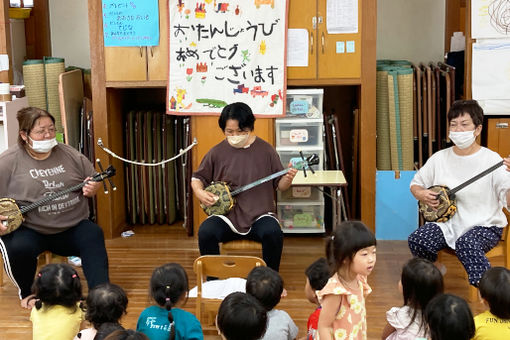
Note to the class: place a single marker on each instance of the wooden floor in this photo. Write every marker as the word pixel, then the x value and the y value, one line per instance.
pixel 133 259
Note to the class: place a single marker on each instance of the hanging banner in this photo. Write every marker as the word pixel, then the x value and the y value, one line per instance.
pixel 130 23
pixel 225 52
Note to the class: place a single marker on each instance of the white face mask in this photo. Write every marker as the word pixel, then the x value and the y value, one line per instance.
pixel 462 139
pixel 238 141
pixel 43 146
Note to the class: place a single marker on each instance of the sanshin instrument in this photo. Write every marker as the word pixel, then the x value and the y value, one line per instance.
pixel 446 196
pixel 14 213
pixel 225 195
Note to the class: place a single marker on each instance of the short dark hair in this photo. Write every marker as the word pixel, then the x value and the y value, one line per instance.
pixel 347 239
pixel 495 289
pixel 241 317
pixel 126 334
pixel 240 112
pixel 27 117
pixel 421 281
pixel 106 302
pixel 318 273
pixel 266 285
pixel 106 329
pixel 471 107
pixel 57 284
pixel 449 317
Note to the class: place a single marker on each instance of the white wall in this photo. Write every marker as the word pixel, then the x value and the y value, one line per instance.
pixel 411 30
pixel 69 29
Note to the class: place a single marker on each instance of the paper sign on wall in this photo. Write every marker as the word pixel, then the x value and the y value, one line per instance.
pixel 130 23
pixel 224 52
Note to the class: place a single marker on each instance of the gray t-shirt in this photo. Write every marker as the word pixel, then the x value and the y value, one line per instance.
pixel 27 180
pixel 280 326
pixel 239 167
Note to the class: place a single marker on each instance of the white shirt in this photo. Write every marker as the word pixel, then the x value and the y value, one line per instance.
pixel 478 204
pixel 399 318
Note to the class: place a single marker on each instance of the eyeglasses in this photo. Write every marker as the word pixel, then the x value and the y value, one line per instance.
pixel 42 132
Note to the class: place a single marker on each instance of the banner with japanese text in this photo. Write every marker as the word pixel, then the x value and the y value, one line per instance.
pixel 225 52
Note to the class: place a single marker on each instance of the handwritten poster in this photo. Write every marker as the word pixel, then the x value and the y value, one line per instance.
pixel 489 19
pixel 227 51
pixel 130 22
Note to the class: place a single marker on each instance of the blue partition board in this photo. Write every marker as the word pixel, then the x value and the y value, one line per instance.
pixel 396 209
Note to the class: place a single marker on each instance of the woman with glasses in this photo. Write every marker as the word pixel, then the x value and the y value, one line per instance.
pixel 38 166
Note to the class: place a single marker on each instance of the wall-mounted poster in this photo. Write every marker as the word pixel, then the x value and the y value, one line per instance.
pixel 130 23
pixel 227 51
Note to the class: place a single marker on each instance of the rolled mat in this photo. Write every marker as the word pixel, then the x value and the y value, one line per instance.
pixel 53 67
pixel 405 95
pixel 33 75
pixel 382 122
pixel 394 121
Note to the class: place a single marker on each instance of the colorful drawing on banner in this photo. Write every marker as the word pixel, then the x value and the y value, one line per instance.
pixel 226 51
pixel 130 23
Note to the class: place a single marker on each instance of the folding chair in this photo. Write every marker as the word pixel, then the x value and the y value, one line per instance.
pixel 222 267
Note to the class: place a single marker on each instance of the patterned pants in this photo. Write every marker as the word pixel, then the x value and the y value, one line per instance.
pixel 470 248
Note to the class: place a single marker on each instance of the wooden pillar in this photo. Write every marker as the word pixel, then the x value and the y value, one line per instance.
pixel 5 39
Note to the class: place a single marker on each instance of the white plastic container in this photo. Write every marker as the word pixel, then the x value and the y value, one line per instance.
pixel 305 217
pixel 299 132
pixel 304 103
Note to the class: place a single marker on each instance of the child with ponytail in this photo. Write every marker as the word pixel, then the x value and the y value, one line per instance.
pixel 169 289
pixel 58 312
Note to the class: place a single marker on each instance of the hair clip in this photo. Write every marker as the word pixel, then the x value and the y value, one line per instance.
pixel 167 287
pixel 167 299
pixel 74 276
pixel 39 274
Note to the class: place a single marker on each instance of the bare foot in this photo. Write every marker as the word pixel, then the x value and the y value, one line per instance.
pixel 28 302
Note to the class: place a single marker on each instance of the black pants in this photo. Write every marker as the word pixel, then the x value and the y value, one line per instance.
pixel 21 248
pixel 265 230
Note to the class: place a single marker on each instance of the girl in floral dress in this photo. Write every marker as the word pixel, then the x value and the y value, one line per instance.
pixel 351 253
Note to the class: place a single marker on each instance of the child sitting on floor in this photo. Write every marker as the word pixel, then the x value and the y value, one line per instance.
pixel 266 285
pixel 494 288
pixel 317 275
pixel 241 317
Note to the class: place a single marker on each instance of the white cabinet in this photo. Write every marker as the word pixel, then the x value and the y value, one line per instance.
pixel 8 121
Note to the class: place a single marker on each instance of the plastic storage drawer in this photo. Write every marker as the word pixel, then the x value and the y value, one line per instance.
pixel 293 156
pixel 299 132
pixel 302 218
pixel 304 103
pixel 300 194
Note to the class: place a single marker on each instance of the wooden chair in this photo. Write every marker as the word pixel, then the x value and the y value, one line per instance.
pixel 240 245
pixel 47 258
pixel 222 267
pixel 502 249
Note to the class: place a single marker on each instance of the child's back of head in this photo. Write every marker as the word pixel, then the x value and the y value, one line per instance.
pixel 421 281
pixel 495 289
pixel 168 286
pixel 126 334
pixel 317 275
pixel 106 329
pixel 106 303
pixel 241 317
pixel 266 285
pixel 346 240
pixel 449 317
pixel 57 284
